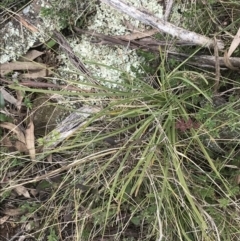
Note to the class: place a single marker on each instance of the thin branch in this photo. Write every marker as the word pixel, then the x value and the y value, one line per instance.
pixel 35 84
pixel 74 59
pixel 162 25
pixel 217 69
pixel 168 9
pixel 153 46
pixel 16 235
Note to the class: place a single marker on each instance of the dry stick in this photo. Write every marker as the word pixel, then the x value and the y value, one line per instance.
pixel 16 235
pixel 46 85
pixel 168 9
pixel 163 26
pixel 145 44
pixel 68 50
pixel 204 60
pixel 217 69
pixel 153 46
pixel 72 56
pixel 138 35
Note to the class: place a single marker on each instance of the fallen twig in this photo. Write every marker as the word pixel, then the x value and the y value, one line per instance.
pixel 138 35
pixel 16 235
pixel 204 60
pixel 153 46
pixel 164 26
pixel 72 57
pixel 46 85
pixel 168 9
pixel 145 43
pixel 217 69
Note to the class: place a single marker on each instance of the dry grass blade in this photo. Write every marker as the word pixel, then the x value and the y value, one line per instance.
pixel 30 140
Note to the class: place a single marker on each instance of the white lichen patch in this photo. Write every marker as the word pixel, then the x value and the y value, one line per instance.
pixel 16 39
pixel 177 15
pixel 105 62
pixel 179 12
pixel 110 21
pixel 13 42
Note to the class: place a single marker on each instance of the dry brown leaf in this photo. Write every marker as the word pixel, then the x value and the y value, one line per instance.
pixel 15 129
pixel 13 212
pixel 21 190
pixel 235 43
pixel 30 140
pixel 9 67
pixel 34 192
pixel 35 74
pixel 22 66
pixel 21 147
pixel 31 55
pixel 4 219
pixel 19 99
pixel 8 97
pixel 6 142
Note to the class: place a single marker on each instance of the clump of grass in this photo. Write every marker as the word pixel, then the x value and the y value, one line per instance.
pixel 154 180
